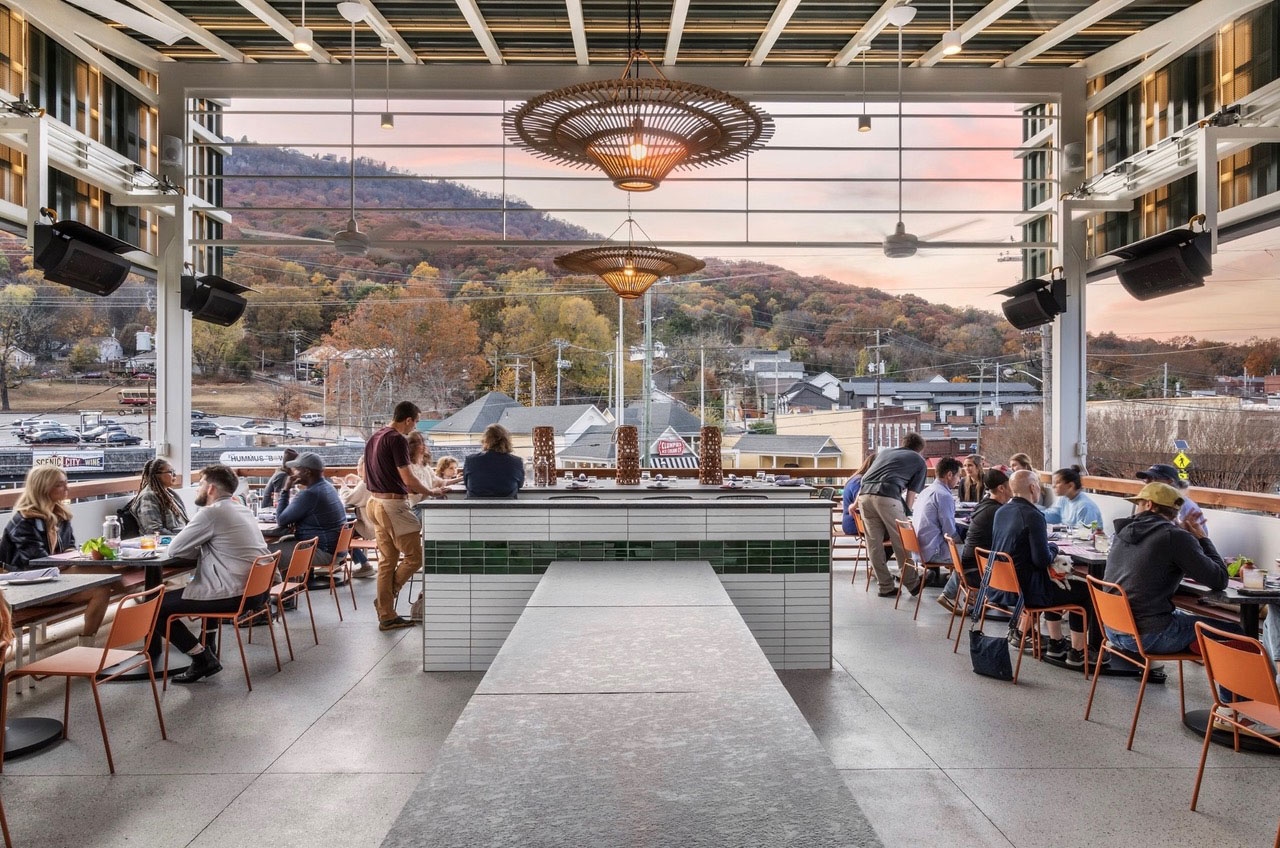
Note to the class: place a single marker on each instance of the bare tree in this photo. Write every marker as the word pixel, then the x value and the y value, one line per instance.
pixel 20 321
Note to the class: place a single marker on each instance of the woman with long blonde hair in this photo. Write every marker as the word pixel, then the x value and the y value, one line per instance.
pixel 41 527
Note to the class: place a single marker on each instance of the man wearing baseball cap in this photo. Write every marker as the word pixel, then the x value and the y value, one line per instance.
pixel 1149 557
pixel 314 513
pixel 1189 512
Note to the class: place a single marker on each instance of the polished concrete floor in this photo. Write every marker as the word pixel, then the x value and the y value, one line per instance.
pixel 327 751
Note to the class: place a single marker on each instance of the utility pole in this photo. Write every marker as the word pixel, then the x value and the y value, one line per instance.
pixel 518 366
pixel 1166 380
pixel 609 359
pixel 702 385
pixel 560 346
pixel 977 417
pixel 533 385
pixel 619 363
pixel 646 421
pixel 878 366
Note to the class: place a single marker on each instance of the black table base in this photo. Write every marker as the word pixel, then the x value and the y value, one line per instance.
pixel 1197 720
pixel 24 736
pixel 178 663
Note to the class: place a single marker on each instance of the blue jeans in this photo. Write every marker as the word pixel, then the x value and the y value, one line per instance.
pixel 1179 635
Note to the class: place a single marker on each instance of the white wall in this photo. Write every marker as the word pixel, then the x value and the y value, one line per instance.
pixel 1233 533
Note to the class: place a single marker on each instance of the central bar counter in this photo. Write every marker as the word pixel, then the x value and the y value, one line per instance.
pixel 482 559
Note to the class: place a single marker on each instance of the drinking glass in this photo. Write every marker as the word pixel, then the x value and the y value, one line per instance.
pixel 147 542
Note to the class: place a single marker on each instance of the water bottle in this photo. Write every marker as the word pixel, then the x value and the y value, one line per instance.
pixel 111 532
pixel 254 502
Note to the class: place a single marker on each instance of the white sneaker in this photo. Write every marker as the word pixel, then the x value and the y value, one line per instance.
pixel 366 571
pixel 418 611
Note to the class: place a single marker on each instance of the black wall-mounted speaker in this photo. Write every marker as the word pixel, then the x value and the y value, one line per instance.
pixel 213 299
pixel 1165 264
pixel 81 257
pixel 1034 302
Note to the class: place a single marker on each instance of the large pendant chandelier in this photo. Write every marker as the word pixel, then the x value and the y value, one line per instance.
pixel 629 269
pixel 638 130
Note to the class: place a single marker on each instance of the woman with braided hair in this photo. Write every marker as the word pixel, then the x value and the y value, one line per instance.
pixel 158 509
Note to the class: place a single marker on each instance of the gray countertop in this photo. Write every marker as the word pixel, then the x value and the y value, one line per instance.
pixel 26 595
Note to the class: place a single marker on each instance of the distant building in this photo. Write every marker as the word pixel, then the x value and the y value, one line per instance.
pixel 18 359
pixel 461 432
pixel 760 451
pixel 942 396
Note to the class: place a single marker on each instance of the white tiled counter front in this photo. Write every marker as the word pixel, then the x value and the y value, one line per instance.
pixel 483 559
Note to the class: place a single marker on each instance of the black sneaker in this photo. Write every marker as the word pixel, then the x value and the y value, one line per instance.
pixel 1015 639
pixel 890 592
pixel 1057 649
pixel 399 623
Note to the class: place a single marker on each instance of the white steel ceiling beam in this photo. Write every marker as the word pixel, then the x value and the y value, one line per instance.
pixel 264 12
pixel 578 29
pixel 988 15
pixel 863 37
pixel 675 31
pixel 471 11
pixel 1072 26
pixel 191 30
pixel 79 33
pixel 131 18
pixel 781 15
pixel 388 34
pixel 1159 44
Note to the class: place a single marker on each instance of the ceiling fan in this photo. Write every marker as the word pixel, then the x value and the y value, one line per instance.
pixel 349 241
pixel 900 244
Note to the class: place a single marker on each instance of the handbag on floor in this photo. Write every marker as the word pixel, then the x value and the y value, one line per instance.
pixel 990 655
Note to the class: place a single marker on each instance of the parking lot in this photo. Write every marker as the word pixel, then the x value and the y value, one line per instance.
pixel 136 424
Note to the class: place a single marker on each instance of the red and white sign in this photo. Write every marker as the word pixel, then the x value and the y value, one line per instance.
pixel 671 447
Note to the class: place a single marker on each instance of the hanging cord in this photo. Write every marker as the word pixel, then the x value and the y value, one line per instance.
pixel 899 125
pixel 353 120
pixel 386 104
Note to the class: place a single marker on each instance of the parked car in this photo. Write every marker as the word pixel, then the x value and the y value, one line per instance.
pixel 27 423
pixel 255 423
pixel 278 430
pixel 200 427
pixel 234 430
pixel 196 413
pixel 54 437
pixel 27 434
pixel 118 439
pixel 96 434
pixel 312 419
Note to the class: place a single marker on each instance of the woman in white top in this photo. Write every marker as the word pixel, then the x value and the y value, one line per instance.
pixel 420 465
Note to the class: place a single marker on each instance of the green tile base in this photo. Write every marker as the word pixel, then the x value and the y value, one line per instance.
pixel 799 556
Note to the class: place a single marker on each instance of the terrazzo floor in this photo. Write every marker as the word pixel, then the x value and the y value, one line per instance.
pixel 327 751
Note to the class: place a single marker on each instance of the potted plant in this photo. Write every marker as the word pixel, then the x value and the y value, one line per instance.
pixel 98 548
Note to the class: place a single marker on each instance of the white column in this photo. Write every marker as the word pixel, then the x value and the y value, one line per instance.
pixel 173 325
pixel 1207 183
pixel 1070 376
pixel 37 178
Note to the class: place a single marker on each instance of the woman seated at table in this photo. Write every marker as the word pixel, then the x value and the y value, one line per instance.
pixel 156 507
pixel 1073 507
pixel 970 489
pixel 420 465
pixel 41 527
pixel 1022 462
pixel 448 471
pixel 494 472
pixel 849 497
pixel 280 485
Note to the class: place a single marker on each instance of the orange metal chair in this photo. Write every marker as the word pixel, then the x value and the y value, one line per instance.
pixel 866 551
pixel 965 595
pixel 261 573
pixel 295 584
pixel 341 564
pixel 1004 578
pixel 133 624
pixel 1240 665
pixel 1111 605
pixel 855 551
pixel 909 541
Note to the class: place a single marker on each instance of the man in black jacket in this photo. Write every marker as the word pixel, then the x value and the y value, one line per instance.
pixel 1149 557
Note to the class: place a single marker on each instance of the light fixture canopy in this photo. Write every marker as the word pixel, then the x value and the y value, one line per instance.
pixel 638 130
pixel 898 16
pixel 352 12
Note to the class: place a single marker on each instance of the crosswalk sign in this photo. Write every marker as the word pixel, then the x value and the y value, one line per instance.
pixel 1182 461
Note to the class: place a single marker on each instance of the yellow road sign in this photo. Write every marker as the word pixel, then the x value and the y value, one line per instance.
pixel 1182 460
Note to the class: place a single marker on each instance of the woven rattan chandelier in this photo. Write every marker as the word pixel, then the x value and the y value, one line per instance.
pixel 629 269
pixel 638 130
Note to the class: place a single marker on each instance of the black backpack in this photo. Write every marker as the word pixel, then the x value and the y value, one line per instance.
pixel 129 528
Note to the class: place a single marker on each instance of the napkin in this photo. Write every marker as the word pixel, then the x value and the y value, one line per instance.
pixel 31 574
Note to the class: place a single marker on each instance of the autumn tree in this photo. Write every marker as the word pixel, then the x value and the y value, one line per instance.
pixel 215 349
pixel 20 321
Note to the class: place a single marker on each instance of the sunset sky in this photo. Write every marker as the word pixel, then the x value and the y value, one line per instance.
pixel 1237 302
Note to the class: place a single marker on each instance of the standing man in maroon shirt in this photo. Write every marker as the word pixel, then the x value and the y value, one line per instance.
pixel 389 479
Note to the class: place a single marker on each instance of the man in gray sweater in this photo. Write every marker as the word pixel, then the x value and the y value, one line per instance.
pixel 224 539
pixel 1149 557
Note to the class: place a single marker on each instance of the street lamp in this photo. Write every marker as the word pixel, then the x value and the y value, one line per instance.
pixel 1010 372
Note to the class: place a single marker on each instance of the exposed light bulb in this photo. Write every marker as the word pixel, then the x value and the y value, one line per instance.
pixel 864 123
pixel 629 267
pixel 303 39
pixel 638 149
pixel 951 43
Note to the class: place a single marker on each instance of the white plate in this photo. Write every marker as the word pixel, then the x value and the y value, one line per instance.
pixel 28 581
pixel 138 554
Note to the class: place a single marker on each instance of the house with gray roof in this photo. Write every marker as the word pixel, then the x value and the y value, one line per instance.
pixel 763 451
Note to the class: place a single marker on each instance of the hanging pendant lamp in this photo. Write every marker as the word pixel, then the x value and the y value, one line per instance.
pixel 388 121
pixel 864 120
pixel 303 38
pixel 350 241
pixel 629 269
pixel 951 44
pixel 638 130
